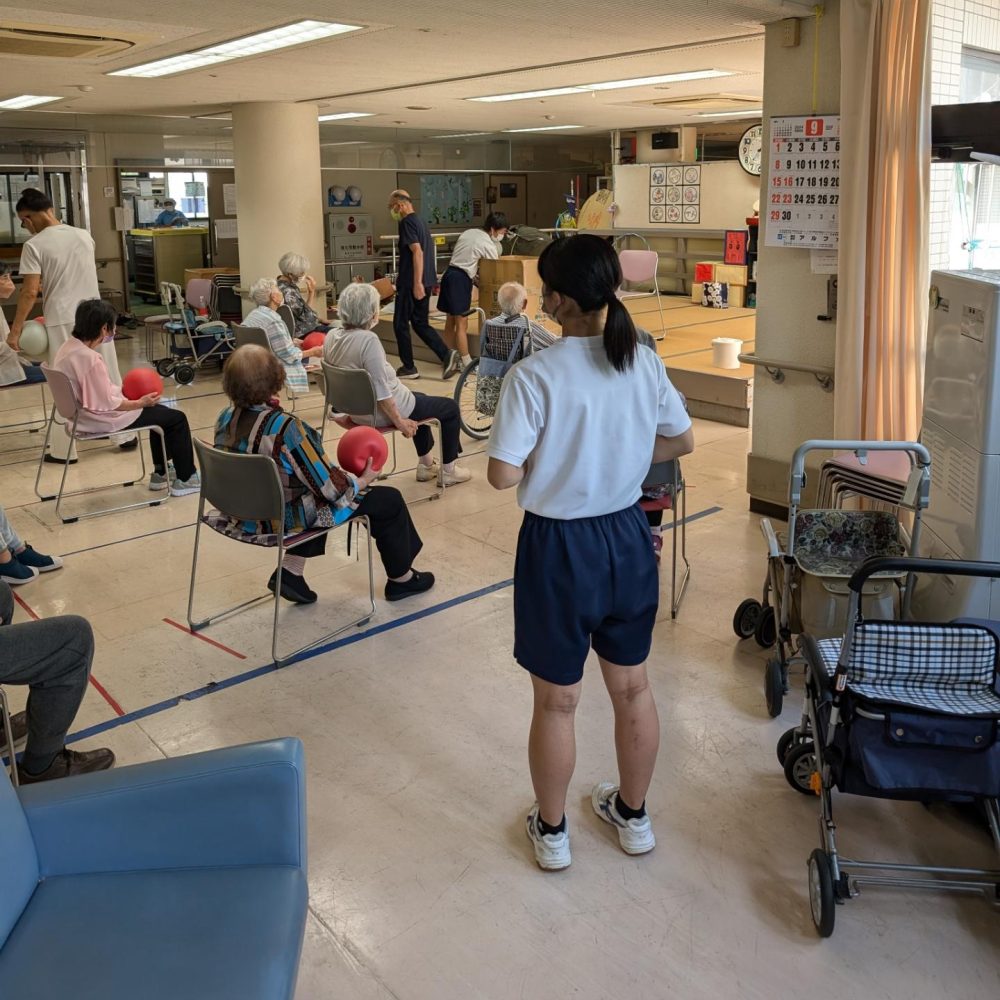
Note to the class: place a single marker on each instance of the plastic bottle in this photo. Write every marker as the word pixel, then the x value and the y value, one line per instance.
pixel 202 307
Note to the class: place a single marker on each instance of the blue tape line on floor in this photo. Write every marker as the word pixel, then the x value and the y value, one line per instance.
pixel 348 640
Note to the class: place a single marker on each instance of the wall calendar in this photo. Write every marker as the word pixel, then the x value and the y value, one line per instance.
pixel 803 197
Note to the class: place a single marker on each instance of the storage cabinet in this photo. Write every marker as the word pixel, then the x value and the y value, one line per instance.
pixel 164 255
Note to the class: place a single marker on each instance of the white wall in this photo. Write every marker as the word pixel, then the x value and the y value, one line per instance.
pixel 789 296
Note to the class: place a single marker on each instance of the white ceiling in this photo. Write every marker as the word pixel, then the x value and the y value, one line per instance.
pixel 429 53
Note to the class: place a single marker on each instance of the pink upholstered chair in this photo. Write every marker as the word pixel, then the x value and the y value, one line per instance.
pixel 641 266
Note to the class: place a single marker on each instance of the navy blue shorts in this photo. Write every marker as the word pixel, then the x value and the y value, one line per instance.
pixel 455 297
pixel 589 582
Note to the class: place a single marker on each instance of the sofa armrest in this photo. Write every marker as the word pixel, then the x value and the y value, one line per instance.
pixel 233 807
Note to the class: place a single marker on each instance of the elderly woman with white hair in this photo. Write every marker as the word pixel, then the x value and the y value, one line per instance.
pixel 267 297
pixel 357 346
pixel 294 268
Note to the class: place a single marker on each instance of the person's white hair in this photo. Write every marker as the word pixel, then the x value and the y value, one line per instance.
pixel 357 304
pixel 261 289
pixel 512 298
pixel 293 264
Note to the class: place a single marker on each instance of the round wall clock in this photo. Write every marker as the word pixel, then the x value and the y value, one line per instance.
pixel 751 147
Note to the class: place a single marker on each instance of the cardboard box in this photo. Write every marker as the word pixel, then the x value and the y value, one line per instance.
pixel 737 296
pixel 732 274
pixel 704 271
pixel 207 272
pixel 494 273
pixel 697 290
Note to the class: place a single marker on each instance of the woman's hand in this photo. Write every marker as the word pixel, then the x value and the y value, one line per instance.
pixel 297 341
pixel 407 427
pixel 310 283
pixel 368 476
pixel 150 399
pixel 313 352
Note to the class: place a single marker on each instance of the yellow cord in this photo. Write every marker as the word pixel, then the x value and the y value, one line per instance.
pixel 818 15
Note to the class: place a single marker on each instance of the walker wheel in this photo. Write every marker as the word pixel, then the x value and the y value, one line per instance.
pixel 766 630
pixel 788 739
pixel 774 687
pixel 164 367
pixel 822 899
pixel 746 617
pixel 800 765
pixel 184 374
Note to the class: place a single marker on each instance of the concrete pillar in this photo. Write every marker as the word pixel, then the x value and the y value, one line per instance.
pixel 279 188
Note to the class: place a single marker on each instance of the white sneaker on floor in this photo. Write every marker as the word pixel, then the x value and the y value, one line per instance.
pixel 551 849
pixel 182 487
pixel 634 835
pixel 425 473
pixel 456 476
pixel 158 481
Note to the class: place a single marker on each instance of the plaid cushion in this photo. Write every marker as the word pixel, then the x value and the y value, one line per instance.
pixel 943 668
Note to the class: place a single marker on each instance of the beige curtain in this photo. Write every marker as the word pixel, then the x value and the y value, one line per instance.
pixel 885 193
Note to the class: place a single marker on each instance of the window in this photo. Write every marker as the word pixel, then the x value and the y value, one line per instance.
pixel 190 190
pixel 980 77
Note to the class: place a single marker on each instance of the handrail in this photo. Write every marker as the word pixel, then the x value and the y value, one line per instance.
pixel 776 369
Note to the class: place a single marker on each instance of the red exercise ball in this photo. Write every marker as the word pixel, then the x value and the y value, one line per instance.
pixel 140 381
pixel 357 446
pixel 315 339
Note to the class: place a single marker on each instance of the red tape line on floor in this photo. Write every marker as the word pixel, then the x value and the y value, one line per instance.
pixel 204 638
pixel 98 686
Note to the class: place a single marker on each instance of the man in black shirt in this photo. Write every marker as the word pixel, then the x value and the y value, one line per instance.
pixel 414 282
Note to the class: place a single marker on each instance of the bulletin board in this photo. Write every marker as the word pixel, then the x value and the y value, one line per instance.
pixel 803 198
pixel 446 199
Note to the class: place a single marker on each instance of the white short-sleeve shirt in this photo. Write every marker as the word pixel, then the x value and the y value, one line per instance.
pixel 583 431
pixel 471 247
pixel 64 257
pixel 353 348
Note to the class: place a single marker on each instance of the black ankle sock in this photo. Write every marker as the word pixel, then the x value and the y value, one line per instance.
pixel 627 812
pixel 544 829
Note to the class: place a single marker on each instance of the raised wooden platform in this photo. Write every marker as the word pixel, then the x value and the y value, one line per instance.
pixel 713 393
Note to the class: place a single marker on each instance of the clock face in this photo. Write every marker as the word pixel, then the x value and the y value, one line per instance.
pixel 751 146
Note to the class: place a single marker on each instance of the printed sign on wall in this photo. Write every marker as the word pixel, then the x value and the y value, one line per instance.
pixel 803 196
pixel 675 194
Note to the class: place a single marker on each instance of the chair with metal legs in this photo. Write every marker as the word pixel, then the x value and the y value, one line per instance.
pixel 669 473
pixel 641 266
pixel 8 735
pixel 66 405
pixel 248 488
pixel 350 390
pixel 254 335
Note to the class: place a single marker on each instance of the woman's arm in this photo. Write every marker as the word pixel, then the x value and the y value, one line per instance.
pixel 502 475
pixel 667 448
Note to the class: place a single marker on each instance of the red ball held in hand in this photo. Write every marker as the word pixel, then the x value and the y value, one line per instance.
pixel 140 382
pixel 357 446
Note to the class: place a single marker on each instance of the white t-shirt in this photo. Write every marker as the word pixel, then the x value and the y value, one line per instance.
pixel 362 349
pixel 64 257
pixel 583 431
pixel 470 248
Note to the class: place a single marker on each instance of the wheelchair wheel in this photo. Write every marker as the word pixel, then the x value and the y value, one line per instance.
pixel 746 618
pixel 477 425
pixel 184 374
pixel 822 899
pixel 800 765
pixel 787 740
pixel 766 630
pixel 774 687
pixel 164 367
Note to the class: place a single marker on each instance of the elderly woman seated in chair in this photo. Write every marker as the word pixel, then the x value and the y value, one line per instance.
pixel 317 492
pixel 357 346
pixel 294 269
pixel 267 296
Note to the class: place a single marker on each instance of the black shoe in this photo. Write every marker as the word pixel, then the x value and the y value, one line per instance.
pixel 417 584
pixel 293 588
pixel 19 726
pixel 404 371
pixel 52 460
pixel 129 445
pixel 68 763
pixel 452 365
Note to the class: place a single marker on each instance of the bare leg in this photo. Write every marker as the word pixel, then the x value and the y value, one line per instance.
pixel 448 336
pixel 552 746
pixel 637 729
pixel 462 335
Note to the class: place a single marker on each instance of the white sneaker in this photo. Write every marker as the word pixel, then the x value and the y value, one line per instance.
pixel 182 487
pixel 426 473
pixel 634 835
pixel 158 481
pixel 551 849
pixel 456 476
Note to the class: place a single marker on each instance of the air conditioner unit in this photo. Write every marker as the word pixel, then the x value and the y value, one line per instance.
pixel 39 42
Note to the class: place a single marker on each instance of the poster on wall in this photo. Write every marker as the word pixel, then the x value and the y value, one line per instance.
pixel 446 199
pixel 803 199
pixel 675 194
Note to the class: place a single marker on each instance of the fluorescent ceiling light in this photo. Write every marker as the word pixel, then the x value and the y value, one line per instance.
pixel 252 45
pixel 344 115
pixel 586 88
pixel 25 101
pixel 460 135
pixel 543 128
pixel 753 112
pixel 352 142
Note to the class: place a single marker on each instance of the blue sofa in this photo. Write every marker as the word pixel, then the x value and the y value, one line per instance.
pixel 181 878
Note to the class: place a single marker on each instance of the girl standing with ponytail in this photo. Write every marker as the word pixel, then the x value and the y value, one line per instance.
pixel 576 428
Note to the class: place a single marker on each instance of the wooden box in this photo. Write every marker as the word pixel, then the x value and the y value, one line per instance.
pixel 704 271
pixel 494 273
pixel 732 274
pixel 207 272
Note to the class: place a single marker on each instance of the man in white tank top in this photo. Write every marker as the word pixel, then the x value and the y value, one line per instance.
pixel 59 260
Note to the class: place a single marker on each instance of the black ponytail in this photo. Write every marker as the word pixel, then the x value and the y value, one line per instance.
pixel 585 268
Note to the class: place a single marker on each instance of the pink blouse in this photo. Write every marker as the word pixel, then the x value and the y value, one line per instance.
pixel 97 395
